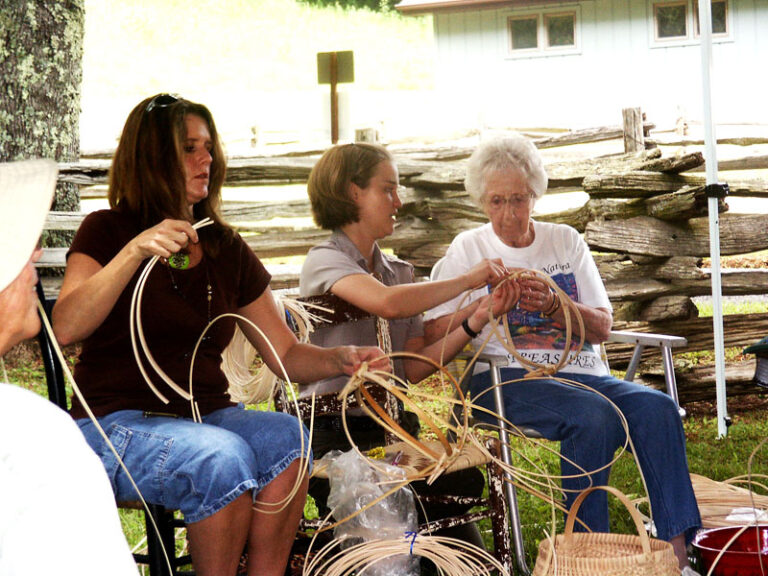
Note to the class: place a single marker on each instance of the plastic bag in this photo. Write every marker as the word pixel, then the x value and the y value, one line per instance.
pixel 354 484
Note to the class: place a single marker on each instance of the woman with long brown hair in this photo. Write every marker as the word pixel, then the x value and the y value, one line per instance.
pixel 228 473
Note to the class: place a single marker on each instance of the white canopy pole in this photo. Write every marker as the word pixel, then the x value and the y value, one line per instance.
pixel 710 155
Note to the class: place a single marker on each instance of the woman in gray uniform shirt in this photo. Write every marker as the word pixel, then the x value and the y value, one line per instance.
pixel 353 190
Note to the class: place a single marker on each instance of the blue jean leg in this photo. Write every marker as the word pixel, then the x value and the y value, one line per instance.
pixel 273 436
pixel 590 431
pixel 659 444
pixel 196 468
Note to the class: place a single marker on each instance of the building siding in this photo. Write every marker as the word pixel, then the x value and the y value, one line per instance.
pixel 617 64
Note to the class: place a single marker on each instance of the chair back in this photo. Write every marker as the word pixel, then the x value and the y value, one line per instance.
pixel 54 375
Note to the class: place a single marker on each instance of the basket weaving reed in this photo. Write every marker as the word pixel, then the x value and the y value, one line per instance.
pixel 601 554
pixel 717 500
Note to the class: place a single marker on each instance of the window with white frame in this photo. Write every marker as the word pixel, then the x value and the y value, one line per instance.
pixel 679 19
pixel 540 31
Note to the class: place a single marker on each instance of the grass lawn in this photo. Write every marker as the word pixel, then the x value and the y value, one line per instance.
pixel 718 459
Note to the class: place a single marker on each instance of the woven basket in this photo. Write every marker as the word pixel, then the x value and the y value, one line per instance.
pixel 599 554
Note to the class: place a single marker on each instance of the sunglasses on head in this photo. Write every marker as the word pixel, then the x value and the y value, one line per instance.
pixel 161 101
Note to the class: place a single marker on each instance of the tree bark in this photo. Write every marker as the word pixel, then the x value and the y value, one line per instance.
pixel 41 50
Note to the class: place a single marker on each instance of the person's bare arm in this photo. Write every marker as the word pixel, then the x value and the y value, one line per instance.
pixel 303 363
pixel 404 300
pixel 442 346
pixel 18 309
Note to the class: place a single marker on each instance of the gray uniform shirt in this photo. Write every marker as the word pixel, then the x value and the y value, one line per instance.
pixel 332 260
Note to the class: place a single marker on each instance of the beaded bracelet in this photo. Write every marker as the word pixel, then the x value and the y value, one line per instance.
pixel 554 307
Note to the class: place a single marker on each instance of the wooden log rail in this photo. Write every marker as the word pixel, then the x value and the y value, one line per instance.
pixel 646 217
pixel 697 382
pixel 659 227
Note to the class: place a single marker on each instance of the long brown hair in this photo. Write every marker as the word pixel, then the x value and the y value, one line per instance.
pixel 147 176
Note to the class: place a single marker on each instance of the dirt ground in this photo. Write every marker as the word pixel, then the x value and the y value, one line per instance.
pixel 736 405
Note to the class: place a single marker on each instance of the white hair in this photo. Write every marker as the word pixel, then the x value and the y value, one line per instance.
pixel 514 152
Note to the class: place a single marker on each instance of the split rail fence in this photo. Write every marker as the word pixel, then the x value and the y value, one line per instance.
pixel 646 220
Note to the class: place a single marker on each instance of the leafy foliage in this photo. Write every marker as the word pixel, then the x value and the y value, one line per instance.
pixel 375 5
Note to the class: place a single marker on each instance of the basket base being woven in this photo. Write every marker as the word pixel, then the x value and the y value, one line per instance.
pixel 599 554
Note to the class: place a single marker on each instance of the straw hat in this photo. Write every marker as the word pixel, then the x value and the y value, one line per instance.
pixel 26 192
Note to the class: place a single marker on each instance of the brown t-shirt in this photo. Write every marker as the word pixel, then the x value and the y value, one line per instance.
pixel 174 313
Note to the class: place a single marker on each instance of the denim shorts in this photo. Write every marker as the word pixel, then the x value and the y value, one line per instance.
pixel 193 467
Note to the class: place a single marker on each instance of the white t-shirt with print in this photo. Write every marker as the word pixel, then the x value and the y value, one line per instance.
pixel 558 251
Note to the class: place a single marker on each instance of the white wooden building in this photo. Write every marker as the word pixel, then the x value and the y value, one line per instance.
pixel 525 63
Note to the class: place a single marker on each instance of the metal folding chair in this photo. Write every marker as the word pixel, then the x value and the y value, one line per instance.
pixel 496 362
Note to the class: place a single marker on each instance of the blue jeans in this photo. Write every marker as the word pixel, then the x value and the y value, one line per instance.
pixel 197 468
pixel 589 431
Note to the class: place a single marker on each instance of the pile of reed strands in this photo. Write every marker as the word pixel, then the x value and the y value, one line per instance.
pixel 717 500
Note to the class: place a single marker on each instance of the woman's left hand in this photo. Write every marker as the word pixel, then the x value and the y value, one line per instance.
pixel 350 358
pixel 535 294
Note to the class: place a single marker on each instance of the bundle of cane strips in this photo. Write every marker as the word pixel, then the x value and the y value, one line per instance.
pixel 451 557
pixel 399 389
pixel 239 355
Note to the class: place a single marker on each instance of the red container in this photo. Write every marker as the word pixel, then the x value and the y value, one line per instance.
pixel 742 557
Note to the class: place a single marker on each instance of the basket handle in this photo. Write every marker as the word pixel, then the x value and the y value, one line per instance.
pixel 645 541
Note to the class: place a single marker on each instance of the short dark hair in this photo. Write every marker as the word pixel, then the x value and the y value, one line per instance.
pixel 330 179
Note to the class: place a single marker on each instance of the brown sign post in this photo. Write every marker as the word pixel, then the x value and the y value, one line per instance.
pixel 334 68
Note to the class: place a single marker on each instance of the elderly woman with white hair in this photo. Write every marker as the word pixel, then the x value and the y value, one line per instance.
pixel 505 177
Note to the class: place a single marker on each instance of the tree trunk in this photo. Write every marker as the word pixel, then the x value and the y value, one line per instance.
pixel 41 53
